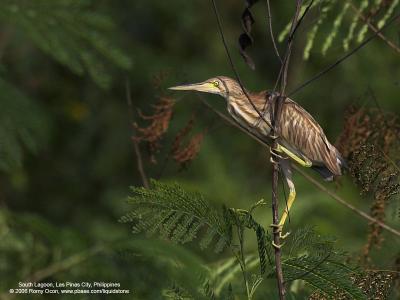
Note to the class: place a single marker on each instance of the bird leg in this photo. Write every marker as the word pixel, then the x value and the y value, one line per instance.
pixel 303 162
pixel 275 159
pixel 287 173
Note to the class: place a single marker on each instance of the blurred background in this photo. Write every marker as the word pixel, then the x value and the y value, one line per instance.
pixel 67 156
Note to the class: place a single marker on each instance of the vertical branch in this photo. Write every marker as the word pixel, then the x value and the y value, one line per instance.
pixel 275 116
pixel 242 258
pixel 136 148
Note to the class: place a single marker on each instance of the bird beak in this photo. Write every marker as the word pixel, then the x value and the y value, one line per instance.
pixel 206 87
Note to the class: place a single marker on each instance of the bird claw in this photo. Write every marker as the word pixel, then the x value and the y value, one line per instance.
pixel 278 229
pixel 273 161
pixel 277 246
pixel 274 155
pixel 284 236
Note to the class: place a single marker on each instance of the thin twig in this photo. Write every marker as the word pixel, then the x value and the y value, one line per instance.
pixel 344 57
pixel 219 22
pixel 306 176
pixel 241 258
pixel 285 63
pixel 138 155
pixel 271 32
pixel 390 43
pixel 345 203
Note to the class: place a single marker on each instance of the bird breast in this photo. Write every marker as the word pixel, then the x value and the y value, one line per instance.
pixel 248 118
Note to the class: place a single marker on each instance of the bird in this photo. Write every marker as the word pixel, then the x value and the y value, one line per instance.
pixel 299 137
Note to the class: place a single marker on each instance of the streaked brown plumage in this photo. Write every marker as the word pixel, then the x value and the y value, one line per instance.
pixel 299 136
pixel 298 131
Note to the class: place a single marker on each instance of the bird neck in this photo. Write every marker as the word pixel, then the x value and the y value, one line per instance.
pixel 241 109
pixel 258 102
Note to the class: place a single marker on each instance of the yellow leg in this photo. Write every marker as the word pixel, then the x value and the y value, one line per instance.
pixel 279 227
pixel 300 161
pixel 290 200
pixel 287 173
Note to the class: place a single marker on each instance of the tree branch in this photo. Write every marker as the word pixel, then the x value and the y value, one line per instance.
pixel 345 203
pixel 275 131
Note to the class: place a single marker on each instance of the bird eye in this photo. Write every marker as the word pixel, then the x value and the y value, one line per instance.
pixel 215 83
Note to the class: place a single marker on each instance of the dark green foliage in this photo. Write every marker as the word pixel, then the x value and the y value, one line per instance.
pixel 23 126
pixel 186 275
pixel 244 219
pixel 66 147
pixel 71 32
pixel 315 261
pixel 177 215
pixel 169 210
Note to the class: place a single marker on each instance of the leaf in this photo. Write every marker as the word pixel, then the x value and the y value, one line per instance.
pixel 245 39
pixel 178 215
pixel 328 276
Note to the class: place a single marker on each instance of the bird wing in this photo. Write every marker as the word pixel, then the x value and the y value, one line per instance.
pixel 301 134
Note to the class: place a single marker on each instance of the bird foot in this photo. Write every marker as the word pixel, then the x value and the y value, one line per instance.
pixel 275 155
pixel 278 229
pixel 277 246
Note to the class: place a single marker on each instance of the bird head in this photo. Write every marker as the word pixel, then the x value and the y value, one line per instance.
pixel 220 85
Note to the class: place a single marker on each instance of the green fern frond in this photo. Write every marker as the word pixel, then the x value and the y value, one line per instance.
pixel 23 126
pixel 328 276
pixel 285 32
pixel 305 240
pixel 314 260
pixel 226 271
pixel 70 32
pixel 313 32
pixel 350 35
pixel 178 215
pixel 336 25
pixel 332 14
pixel 389 12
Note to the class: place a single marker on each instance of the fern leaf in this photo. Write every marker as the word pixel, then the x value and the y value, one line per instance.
pixel 389 12
pixel 328 277
pixel 313 33
pixel 178 215
pixel 336 25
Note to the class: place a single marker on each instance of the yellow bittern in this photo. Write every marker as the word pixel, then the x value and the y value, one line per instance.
pixel 299 136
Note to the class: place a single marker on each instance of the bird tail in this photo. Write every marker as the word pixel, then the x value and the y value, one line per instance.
pixel 326 173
